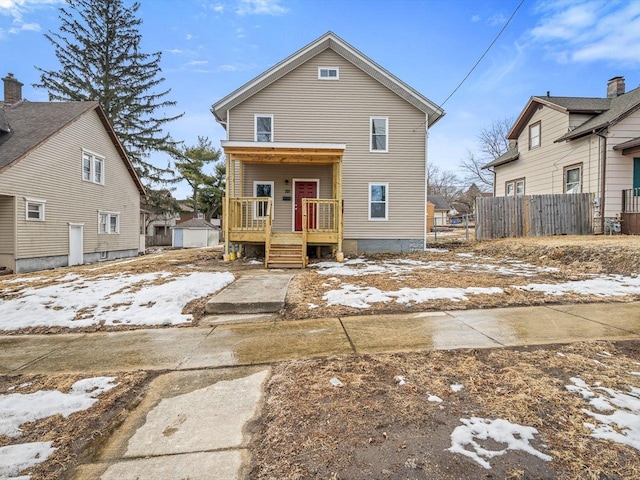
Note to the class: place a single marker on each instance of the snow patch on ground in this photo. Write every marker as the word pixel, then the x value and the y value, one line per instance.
pixel 362 297
pixel 456 387
pixel 15 458
pixel 605 286
pixel 17 408
pixel 115 299
pixel 359 266
pixel 517 437
pixel 622 422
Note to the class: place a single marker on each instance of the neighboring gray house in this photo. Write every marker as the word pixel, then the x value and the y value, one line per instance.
pixel 577 145
pixel 68 192
pixel 326 148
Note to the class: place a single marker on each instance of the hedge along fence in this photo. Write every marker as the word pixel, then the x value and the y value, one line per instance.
pixel 534 216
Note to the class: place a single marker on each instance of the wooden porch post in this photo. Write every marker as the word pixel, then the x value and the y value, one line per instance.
pixel 337 181
pixel 226 214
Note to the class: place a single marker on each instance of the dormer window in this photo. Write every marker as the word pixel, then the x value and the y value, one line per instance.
pixel 264 128
pixel 328 73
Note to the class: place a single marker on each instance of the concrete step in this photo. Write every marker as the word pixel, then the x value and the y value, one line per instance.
pixel 264 293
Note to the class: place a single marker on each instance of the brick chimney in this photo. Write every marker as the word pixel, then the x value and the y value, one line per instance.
pixel 615 87
pixel 12 89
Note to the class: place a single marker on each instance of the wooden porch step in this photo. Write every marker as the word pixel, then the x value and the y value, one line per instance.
pixel 285 256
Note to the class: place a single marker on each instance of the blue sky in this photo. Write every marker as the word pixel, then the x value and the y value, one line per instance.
pixel 212 47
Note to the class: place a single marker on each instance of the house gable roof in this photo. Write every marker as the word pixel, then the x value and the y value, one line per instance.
pixel 194 223
pixel 32 123
pixel 439 202
pixel 560 104
pixel 620 107
pixel 349 53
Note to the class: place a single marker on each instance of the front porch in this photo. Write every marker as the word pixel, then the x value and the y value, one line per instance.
pixel 630 216
pixel 301 182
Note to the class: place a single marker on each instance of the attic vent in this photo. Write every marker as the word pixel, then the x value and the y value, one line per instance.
pixel 328 73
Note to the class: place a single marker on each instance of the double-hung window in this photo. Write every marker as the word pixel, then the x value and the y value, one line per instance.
pixel 514 187
pixel 534 135
pixel 264 128
pixel 262 189
pixel 108 223
pixel 34 209
pixel 573 179
pixel 379 129
pixel 92 167
pixel 378 201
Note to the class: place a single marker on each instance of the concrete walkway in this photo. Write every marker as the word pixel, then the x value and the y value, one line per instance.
pixel 259 343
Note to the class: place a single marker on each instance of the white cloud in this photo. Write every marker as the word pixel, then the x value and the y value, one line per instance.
pixel 197 62
pixel 497 20
pixel 589 31
pixel 240 33
pixel 219 8
pixel 476 18
pixel 236 67
pixel 18 9
pixel 260 7
pixel 188 36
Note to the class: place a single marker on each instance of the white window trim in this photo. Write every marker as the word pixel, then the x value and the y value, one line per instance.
pixel 255 126
pixel 92 174
pixel 108 226
pixel 386 203
pixel 337 69
pixel 255 194
pixel 371 119
pixel 34 201
pixel 537 124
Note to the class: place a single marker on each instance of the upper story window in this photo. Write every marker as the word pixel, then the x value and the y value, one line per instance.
pixel 92 167
pixel 328 73
pixel 34 209
pixel 264 128
pixel 378 201
pixel 379 134
pixel 573 179
pixel 534 135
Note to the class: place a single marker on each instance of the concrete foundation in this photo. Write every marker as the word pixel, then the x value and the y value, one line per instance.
pixel 401 245
pixel 26 265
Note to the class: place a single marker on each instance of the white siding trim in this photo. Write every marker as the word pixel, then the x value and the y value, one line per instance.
pixel 337 69
pixel 41 210
pixel 255 126
pixel 386 143
pixel 386 202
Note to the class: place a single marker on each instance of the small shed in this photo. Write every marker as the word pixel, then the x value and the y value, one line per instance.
pixel 440 210
pixel 194 233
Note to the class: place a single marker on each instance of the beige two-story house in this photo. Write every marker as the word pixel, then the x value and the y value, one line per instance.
pixel 68 192
pixel 577 145
pixel 326 148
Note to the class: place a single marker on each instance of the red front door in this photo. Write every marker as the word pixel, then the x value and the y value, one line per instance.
pixel 304 190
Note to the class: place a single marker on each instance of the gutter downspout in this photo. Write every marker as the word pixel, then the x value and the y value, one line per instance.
pixel 603 152
pixel 426 181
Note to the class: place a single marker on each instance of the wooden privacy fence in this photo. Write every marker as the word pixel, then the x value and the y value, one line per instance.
pixel 534 216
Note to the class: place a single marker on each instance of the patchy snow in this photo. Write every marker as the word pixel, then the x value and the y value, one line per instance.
pixel 312 306
pixel 434 399
pixel 517 437
pixel 395 267
pixel 362 297
pixel 140 299
pixel 436 250
pixel 17 408
pixel 15 458
pixel 622 422
pixel 400 380
pixel 456 387
pixel 335 382
pixel 604 286
pixel 465 255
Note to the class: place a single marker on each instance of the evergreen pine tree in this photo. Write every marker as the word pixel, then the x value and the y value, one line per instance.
pixel 190 164
pixel 98 47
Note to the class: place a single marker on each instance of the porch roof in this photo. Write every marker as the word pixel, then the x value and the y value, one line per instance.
pixel 285 152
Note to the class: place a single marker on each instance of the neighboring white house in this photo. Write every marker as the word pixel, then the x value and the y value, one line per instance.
pixel 68 193
pixel 576 145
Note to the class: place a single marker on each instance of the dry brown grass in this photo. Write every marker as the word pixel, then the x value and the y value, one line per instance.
pixel 374 428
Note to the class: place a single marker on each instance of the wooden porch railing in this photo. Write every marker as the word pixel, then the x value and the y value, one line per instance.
pixel 321 215
pixel 631 200
pixel 250 214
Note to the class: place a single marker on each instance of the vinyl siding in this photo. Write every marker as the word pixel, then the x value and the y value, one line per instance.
pixel 543 167
pixel 7 232
pixel 306 109
pixel 283 210
pixel 53 172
